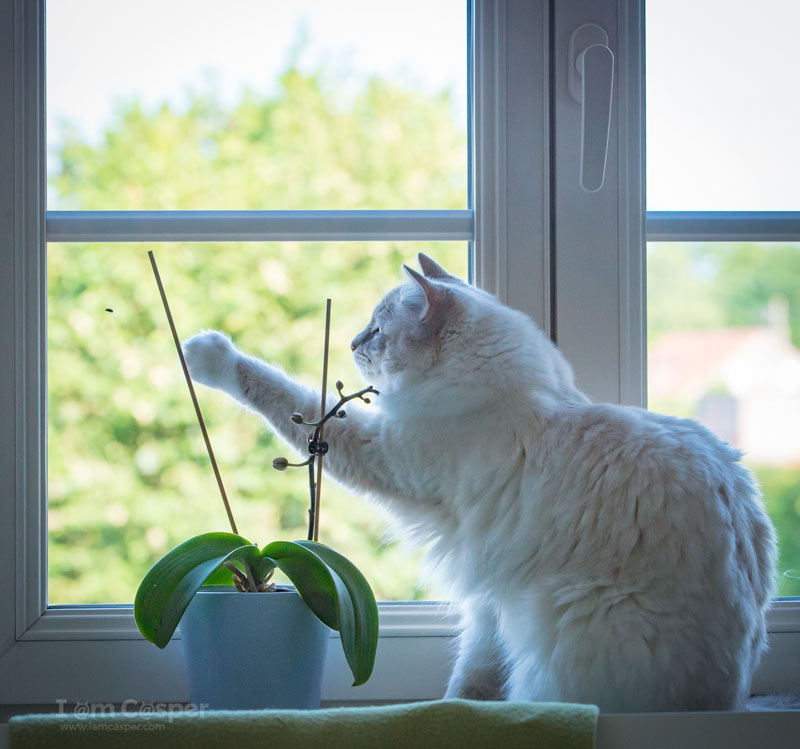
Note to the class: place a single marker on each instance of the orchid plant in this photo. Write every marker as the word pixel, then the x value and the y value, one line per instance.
pixel 335 591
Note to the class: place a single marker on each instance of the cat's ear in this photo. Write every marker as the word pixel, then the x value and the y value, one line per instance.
pixel 431 268
pixel 438 300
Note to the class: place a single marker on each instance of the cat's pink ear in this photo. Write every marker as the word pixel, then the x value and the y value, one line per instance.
pixel 438 299
pixel 431 268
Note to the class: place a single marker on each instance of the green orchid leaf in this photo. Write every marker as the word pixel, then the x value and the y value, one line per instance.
pixel 220 576
pixel 172 582
pixel 260 566
pixel 310 575
pixel 338 594
pixel 360 642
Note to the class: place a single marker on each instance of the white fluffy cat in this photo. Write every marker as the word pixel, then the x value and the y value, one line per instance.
pixel 601 553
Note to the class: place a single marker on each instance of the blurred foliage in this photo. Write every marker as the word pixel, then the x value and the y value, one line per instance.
pixel 312 145
pixel 781 487
pixel 128 474
pixel 718 284
pixel 678 292
pixel 715 285
pixel 129 477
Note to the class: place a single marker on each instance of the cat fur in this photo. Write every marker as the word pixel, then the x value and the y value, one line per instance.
pixel 599 553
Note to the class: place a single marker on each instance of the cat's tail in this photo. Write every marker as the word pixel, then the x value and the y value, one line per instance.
pixel 764 703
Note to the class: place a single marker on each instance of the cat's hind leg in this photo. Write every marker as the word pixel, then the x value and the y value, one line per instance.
pixel 529 681
pixel 479 672
pixel 528 632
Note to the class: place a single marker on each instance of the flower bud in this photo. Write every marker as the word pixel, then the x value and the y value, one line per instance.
pixel 297 418
pixel 280 464
pixel 341 414
pixel 339 384
pixel 366 400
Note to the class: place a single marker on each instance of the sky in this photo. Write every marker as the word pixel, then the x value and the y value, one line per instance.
pixel 723 105
pixel 101 51
pixel 723 77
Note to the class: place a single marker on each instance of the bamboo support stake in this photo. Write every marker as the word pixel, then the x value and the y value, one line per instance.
pixel 192 393
pixel 322 415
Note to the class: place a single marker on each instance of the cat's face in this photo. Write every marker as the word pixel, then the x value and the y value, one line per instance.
pixel 440 332
pixel 401 339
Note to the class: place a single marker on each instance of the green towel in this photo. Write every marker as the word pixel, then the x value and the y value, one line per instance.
pixel 441 724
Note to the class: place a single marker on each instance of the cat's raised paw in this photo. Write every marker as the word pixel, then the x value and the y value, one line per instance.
pixel 211 358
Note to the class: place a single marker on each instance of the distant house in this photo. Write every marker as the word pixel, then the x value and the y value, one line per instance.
pixel 742 383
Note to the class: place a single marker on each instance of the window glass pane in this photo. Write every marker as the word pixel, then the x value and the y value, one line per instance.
pixel 722 105
pixel 724 348
pixel 128 474
pixel 309 104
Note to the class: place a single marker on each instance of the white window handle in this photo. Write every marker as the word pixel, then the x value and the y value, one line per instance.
pixel 591 81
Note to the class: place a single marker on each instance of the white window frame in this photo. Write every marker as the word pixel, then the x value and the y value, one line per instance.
pixel 95 652
pixel 523 242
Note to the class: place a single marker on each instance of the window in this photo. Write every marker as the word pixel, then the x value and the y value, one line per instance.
pixel 719 124
pixel 246 114
pixel 723 259
pixel 724 298
pixel 128 473
pixel 283 106
pixel 161 173
pixel 572 259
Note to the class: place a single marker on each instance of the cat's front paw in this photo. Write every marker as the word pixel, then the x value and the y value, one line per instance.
pixel 212 358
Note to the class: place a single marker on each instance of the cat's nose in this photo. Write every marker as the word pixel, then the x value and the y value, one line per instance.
pixel 358 340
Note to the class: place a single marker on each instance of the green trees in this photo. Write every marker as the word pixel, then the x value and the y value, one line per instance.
pixel 703 286
pixel 720 284
pixel 128 474
pixel 310 146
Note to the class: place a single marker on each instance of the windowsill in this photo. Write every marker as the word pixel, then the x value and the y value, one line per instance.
pixel 414 634
pixel 413 662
